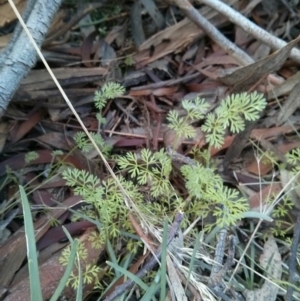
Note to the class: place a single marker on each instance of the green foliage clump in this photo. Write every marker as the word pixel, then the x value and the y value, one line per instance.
pixel 293 158
pixel 146 175
pixel 85 144
pixel 231 113
pixel 108 91
pixel 31 156
pixel 106 198
pixel 208 194
pixel 196 110
pixel 152 169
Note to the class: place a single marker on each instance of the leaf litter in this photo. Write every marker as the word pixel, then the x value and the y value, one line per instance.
pixel 161 57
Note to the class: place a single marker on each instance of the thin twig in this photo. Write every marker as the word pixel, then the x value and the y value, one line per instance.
pixel 177 157
pixel 218 292
pixel 167 83
pixel 242 57
pixel 292 261
pixel 150 263
pixel 215 275
pixel 249 27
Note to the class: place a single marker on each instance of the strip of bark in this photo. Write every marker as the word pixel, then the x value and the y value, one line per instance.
pixel 22 55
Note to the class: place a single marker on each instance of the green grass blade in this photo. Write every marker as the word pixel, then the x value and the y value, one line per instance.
pixel 258 215
pixel 112 255
pixel 63 282
pixel 34 277
pixel 212 234
pixel 150 293
pixel 79 288
pixel 125 264
pixel 191 265
pixel 163 267
pixel 134 278
pixel 68 235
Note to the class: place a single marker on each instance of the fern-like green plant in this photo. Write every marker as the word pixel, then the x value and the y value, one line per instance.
pixel 108 91
pixel 31 156
pixel 85 144
pixel 208 194
pixel 146 175
pixel 231 113
pixel 196 110
pixel 152 169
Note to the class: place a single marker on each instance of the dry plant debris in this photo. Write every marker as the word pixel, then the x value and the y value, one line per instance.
pixel 166 56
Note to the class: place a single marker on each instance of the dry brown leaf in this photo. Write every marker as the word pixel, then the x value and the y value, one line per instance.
pixel 258 200
pixel 270 260
pixel 4 40
pixel 245 77
pixel 41 80
pixel 290 106
pixel 286 87
pixel 26 126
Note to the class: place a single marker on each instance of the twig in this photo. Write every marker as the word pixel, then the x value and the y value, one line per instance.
pixel 179 157
pixel 249 27
pixel 193 14
pixel 150 263
pixel 167 83
pixel 218 274
pixel 220 294
pixel 292 261
pixel 215 277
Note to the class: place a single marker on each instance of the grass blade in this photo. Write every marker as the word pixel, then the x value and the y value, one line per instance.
pixel 79 288
pixel 163 281
pixel 34 277
pixel 191 265
pixel 67 273
pixel 134 278
pixel 111 253
pixel 152 289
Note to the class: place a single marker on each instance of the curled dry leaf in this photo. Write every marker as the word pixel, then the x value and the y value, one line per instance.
pixel 270 260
